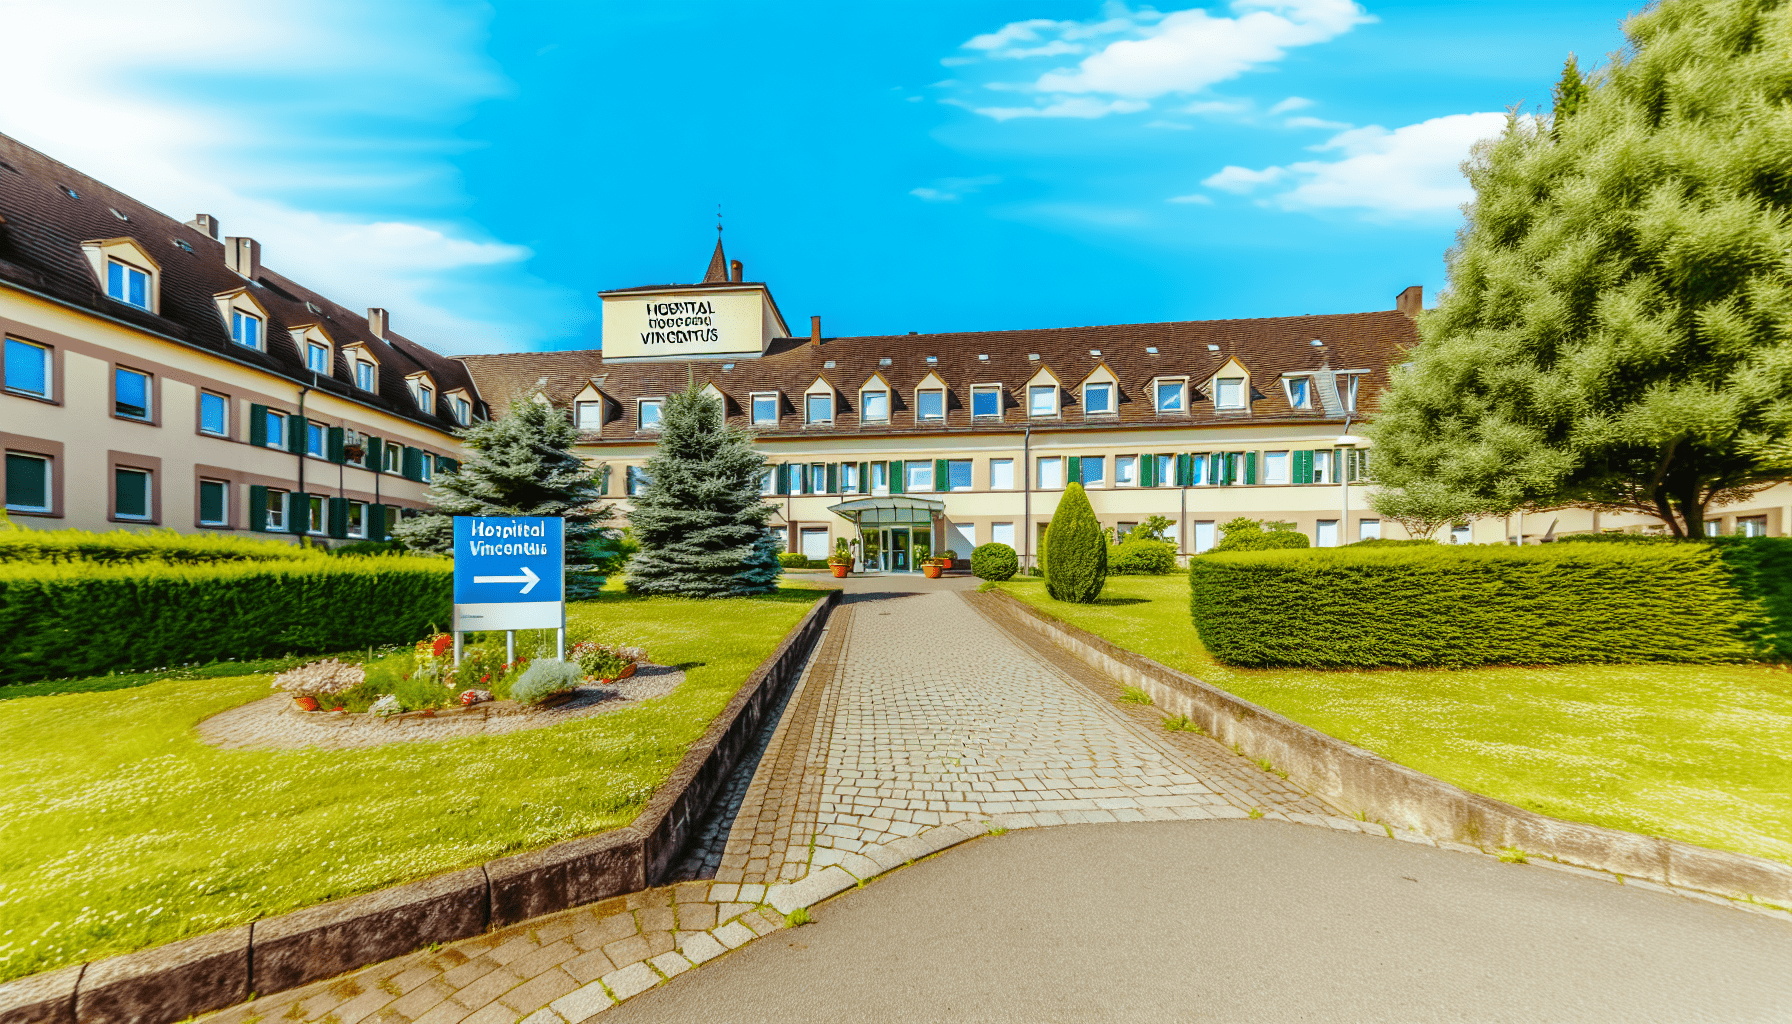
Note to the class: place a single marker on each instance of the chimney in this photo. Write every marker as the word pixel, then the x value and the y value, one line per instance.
pixel 737 272
pixel 205 222
pixel 1411 301
pixel 378 322
pixel 815 330
pixel 243 255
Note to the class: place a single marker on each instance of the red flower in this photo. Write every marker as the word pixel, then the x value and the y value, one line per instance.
pixel 442 644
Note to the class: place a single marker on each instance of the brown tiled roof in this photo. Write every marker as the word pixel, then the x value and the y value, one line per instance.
pixel 1267 349
pixel 40 250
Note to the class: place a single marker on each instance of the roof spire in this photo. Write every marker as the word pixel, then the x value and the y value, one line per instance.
pixel 718 263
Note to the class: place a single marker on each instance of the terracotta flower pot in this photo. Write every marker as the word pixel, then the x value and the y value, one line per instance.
pixel 931 570
pixel 840 569
pixel 627 670
pixel 306 703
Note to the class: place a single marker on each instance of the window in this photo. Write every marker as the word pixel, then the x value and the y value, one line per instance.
pixel 1098 400
pixel 1228 393
pixel 214 414
pixel 849 478
pixel 1275 468
pixel 27 368
pixel 1095 471
pixel 1126 471
pixel 1166 470
pixel 1322 467
pixel 1347 388
pixel 958 475
pixel 364 378
pixel 765 409
pixel 917 475
pixel 1369 529
pixel 276 429
pixel 649 415
pixel 461 410
pixel 131 394
pixel 768 481
pixel 874 406
pixel 637 480
pixel 245 329
pixel 818 478
pixel 930 405
pixel 314 513
pixel 127 284
pixel 986 401
pixel 1325 533
pixel 27 483
pixel 1001 474
pixel 276 510
pixel 819 408
pixel 589 415
pixel 317 357
pixel 1714 527
pixel 130 496
pixel 1042 400
pixel 1751 526
pixel 1206 536
pixel 214 502
pixel 357 519
pixel 1169 395
pixel 1051 473
pixel 1001 533
pixel 425 396
pixel 1300 392
pixel 315 434
pixel 1462 535
pixel 391 457
pixel 426 467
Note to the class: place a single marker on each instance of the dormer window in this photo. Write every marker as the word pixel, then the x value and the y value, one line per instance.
pixel 1228 393
pixel 589 415
pixel 317 357
pixel 460 408
pixel 245 329
pixel 1098 400
pixel 1042 400
pixel 1170 395
pixel 986 401
pixel 366 375
pixel 648 414
pixel 818 408
pixel 765 409
pixel 127 284
pixel 423 392
pixel 1347 388
pixel 1300 392
pixel 930 405
pixel 874 401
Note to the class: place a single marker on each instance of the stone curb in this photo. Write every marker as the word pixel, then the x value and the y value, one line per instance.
pixel 182 979
pixel 1347 776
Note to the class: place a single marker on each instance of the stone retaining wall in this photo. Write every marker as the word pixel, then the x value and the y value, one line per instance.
pixel 191 976
pixel 1356 780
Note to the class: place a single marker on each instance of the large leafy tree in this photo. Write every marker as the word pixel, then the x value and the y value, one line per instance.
pixel 521 464
pixel 700 520
pixel 1617 333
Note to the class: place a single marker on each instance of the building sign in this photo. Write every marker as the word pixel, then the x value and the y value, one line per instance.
pixel 509 573
pixel 670 323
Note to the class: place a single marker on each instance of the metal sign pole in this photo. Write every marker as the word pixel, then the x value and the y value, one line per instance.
pixel 457 648
pixel 509 646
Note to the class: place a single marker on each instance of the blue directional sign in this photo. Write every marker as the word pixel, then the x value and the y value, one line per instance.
pixel 509 572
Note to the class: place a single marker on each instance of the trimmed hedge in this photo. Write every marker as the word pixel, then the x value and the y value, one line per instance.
pixel 1142 558
pixel 798 560
pixel 1467 605
pixel 1078 566
pixel 120 547
pixel 994 561
pixel 1761 568
pixel 78 620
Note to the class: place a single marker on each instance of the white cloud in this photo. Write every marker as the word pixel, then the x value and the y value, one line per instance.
pixel 360 125
pixel 947 190
pixel 1291 103
pixel 1315 122
pixel 1216 107
pixel 1197 198
pixel 1242 179
pixel 1076 106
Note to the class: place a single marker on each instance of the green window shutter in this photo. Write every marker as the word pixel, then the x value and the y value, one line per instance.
pixel 336 519
pixel 781 478
pixel 1182 470
pixel 376 522
pixel 258 426
pixel 1303 468
pixel 808 481
pixel 335 445
pixel 1250 467
pixel 1148 470
pixel 833 478
pixel 1075 473
pixel 941 482
pixel 295 433
pixel 413 464
pixel 258 508
pixel 896 476
pixel 864 478
pixel 373 454
pixel 451 465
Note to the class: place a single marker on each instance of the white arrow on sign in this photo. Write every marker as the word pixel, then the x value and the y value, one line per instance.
pixel 528 579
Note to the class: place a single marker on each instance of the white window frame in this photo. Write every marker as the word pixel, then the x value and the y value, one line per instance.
pixel 1056 403
pixel 425 396
pixel 579 419
pixel 372 383
pixel 391 458
pixel 49 357
pixel 357 531
pixel 809 400
pixel 921 415
pixel 1157 400
pixel 995 474
pixel 753 401
pixel 1056 462
pixel 1274 461
pixel 149 495
pixel 1207 534
pixel 1368 529
pixel 317 502
pixel 1462 535
pixel 1095 460
pixel 849 478
pixel 880 478
pixel 912 481
pixel 243 322
pixel 426 468
pixel 1305 400
pixel 320 431
pixel 978 390
pixel 866 417
pixel 203 395
pixel 1219 388
pixel 1349 384
pixel 316 354
pixel 1126 479
pixel 1320 527
pixel 970 468
pixel 279 510
pixel 641 405
pixel 1113 407
pixel 768 480
pixel 49 483
pixel 460 409
pixel 127 268
pixel 149 395
pixel 225 519
pixel 997 530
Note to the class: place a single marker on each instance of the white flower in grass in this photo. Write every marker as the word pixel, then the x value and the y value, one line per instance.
pixel 386 706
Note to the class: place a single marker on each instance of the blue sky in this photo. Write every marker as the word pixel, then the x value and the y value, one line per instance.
pixel 484 170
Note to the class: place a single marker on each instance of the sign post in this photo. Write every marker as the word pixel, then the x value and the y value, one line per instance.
pixel 509 574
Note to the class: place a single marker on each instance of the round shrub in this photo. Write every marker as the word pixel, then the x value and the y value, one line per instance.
pixel 1077 566
pixel 1247 539
pixel 795 560
pixel 994 561
pixel 1142 558
pixel 543 678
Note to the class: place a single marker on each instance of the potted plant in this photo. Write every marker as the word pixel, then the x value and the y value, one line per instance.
pixel 840 562
pixel 930 566
pixel 871 550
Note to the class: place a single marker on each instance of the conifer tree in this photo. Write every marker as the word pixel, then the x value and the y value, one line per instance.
pixel 1617 332
pixel 1076 566
pixel 520 464
pixel 700 520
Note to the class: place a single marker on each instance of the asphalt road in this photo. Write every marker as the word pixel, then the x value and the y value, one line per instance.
pixel 1239 921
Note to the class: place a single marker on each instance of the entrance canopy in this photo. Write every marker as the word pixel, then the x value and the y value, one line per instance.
pixel 870 513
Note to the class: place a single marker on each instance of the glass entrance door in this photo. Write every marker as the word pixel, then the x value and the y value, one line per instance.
pixel 898 550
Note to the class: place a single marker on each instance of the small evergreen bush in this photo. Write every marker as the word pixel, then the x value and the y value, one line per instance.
pixel 1078 566
pixel 797 560
pixel 994 561
pixel 1138 557
pixel 1244 534
pixel 543 678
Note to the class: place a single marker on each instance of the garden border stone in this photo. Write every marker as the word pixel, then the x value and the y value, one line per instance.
pixel 1354 779
pixel 181 979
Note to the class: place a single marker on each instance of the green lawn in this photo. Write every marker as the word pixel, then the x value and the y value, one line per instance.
pixel 120 830
pixel 1701 753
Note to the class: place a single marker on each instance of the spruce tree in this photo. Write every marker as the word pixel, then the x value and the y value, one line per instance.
pixel 1077 548
pixel 700 520
pixel 521 464
pixel 1617 332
